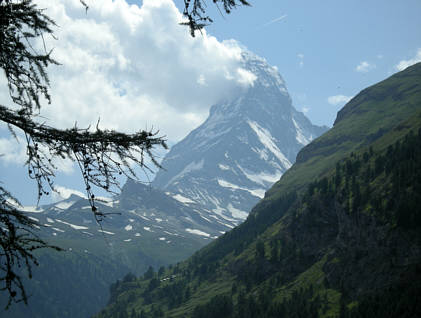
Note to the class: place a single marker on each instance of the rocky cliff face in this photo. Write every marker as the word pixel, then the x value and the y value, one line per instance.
pixel 245 145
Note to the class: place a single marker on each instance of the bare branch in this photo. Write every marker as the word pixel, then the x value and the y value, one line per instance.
pixel 195 12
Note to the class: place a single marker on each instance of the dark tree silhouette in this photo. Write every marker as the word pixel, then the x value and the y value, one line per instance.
pixel 100 154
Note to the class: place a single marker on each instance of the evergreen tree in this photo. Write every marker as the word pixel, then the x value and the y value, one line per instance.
pixel 95 152
pixel 149 273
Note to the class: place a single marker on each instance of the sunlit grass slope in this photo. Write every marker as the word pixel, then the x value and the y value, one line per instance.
pixel 338 236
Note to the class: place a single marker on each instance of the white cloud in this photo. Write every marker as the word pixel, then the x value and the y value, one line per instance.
pixel 135 67
pixel 305 110
pixel 338 99
pixel 405 63
pixel 364 67
pixel 13 151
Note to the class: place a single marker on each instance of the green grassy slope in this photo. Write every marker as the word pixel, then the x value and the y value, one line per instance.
pixel 338 236
pixel 370 114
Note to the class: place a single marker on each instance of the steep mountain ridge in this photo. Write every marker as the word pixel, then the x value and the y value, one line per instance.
pixel 245 145
pixel 359 123
pixel 337 236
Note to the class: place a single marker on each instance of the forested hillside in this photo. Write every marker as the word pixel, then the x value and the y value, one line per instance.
pixel 338 236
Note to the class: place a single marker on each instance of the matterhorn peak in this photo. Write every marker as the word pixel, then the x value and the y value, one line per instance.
pixel 226 164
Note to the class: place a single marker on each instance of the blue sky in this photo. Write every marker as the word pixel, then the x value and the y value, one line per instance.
pixel 131 66
pixel 330 39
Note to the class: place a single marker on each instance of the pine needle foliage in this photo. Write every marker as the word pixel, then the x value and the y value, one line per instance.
pixel 195 12
pixel 101 155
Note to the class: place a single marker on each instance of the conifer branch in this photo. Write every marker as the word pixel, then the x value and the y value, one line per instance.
pixel 195 12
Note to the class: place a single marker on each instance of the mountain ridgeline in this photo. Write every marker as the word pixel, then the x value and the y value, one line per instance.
pixel 245 145
pixel 144 227
pixel 211 181
pixel 339 235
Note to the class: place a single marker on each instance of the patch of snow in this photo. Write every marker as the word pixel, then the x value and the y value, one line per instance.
pixel 162 238
pixel 86 207
pixel 128 227
pixel 223 167
pixel 268 141
pixel 58 230
pixel 214 200
pixel 106 232
pixel 158 220
pixel 238 214
pixel 50 220
pixel 198 232
pixel 47 225
pixel 182 199
pixel 131 220
pixel 220 212
pixel 55 234
pixel 31 209
pixel 260 193
pixel 137 234
pixel 170 233
pixel 128 240
pixel 227 184
pixel 227 225
pixel 300 136
pixel 87 233
pixel 188 218
pixel 147 228
pixel 264 178
pixel 64 205
pixel 76 227
pixel 205 218
pixel 106 201
pixel 33 219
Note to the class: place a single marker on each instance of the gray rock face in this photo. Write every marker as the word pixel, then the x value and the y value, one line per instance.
pixel 245 145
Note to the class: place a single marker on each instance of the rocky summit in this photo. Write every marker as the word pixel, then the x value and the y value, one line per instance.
pixel 245 145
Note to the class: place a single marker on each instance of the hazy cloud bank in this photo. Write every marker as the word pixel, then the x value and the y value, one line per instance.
pixel 135 68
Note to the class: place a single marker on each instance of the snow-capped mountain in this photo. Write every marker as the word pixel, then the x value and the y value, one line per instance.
pixel 143 227
pixel 141 218
pixel 245 145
